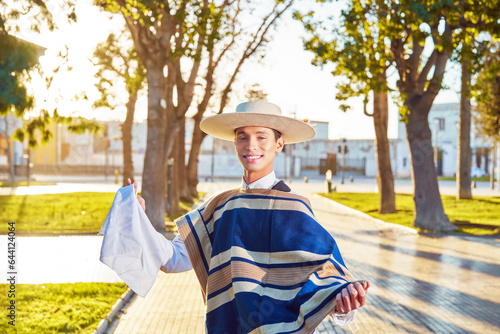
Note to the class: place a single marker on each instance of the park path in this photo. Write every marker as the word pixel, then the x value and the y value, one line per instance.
pixel 420 283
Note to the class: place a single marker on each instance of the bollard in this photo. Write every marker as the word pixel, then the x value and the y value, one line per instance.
pixel 328 181
pixel 351 179
pixel 473 184
pixel 116 176
pixel 170 187
pixel 306 179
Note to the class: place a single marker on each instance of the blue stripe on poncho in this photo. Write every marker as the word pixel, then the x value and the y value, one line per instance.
pixel 264 263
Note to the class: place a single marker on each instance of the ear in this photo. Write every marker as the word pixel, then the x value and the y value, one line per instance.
pixel 280 143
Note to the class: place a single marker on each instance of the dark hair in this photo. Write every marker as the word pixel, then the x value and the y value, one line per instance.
pixel 277 134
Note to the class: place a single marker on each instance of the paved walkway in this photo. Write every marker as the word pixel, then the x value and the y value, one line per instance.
pixel 420 284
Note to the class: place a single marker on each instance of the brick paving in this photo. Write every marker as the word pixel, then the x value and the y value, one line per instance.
pixel 420 283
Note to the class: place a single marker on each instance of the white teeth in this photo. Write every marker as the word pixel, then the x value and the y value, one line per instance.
pixel 253 157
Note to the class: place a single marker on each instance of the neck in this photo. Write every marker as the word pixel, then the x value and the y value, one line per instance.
pixel 251 177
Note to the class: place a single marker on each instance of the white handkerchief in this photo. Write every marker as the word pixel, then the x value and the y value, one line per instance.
pixel 131 246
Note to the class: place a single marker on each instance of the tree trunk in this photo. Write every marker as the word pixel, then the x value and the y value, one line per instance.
pixel 181 176
pixel 171 131
pixel 192 166
pixel 128 164
pixel 385 178
pixel 498 166
pixel 153 179
pixel 10 158
pixel 464 151
pixel 175 184
pixel 429 213
pixel 493 159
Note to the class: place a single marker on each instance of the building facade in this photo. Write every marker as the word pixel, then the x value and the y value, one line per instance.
pixel 86 153
pixel 443 121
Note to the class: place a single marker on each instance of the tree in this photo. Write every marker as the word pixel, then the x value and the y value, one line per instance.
pixel 18 57
pixel 486 92
pixel 219 60
pixel 358 48
pixel 473 43
pixel 19 61
pixel 464 190
pixel 117 61
pixel 414 27
pixel 421 39
pixel 169 37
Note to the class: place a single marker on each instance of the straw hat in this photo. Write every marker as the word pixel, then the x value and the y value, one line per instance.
pixel 258 113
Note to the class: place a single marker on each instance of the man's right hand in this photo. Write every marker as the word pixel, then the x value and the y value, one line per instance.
pixel 141 200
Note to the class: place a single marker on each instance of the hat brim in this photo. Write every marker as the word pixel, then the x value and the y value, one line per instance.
pixel 292 130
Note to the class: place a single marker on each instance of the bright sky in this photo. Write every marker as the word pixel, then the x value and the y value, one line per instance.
pixel 286 74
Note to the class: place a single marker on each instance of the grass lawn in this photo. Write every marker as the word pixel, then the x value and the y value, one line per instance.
pixel 59 308
pixel 453 178
pixel 479 216
pixel 56 213
pixel 59 213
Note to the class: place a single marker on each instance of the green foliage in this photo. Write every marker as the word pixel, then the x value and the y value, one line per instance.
pixel 16 58
pixel 487 94
pixel 255 93
pixel 473 213
pixel 60 308
pixel 117 59
pixel 356 44
pixel 37 128
pixel 192 25
pixel 31 14
pixel 370 36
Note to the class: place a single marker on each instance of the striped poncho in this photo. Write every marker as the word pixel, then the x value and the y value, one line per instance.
pixel 264 263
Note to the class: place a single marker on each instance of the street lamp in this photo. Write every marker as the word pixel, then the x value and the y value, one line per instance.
pixel 436 130
pixel 342 165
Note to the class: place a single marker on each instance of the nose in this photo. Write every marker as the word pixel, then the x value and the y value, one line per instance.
pixel 252 143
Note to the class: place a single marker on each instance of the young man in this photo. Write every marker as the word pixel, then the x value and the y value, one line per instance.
pixel 263 262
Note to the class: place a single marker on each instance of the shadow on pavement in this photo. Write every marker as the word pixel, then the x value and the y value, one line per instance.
pixel 442 297
pixel 478 266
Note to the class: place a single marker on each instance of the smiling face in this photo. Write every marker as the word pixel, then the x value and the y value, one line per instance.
pixel 256 148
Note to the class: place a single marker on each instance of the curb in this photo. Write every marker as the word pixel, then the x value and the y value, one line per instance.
pixel 364 215
pixel 106 323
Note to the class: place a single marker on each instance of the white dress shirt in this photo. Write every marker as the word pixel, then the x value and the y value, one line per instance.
pixel 178 258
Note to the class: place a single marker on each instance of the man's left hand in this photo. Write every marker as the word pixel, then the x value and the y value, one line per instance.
pixel 351 297
pixel 141 200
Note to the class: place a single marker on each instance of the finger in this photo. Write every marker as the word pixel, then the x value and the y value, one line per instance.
pixel 135 187
pixel 346 299
pixel 142 202
pixel 361 294
pixel 353 293
pixel 339 306
pixel 129 181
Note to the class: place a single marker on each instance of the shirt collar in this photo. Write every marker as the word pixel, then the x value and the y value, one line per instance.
pixel 266 182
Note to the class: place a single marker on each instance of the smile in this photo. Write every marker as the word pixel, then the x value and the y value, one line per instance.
pixel 251 158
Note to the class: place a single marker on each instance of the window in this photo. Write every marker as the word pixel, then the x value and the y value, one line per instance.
pixel 440 123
